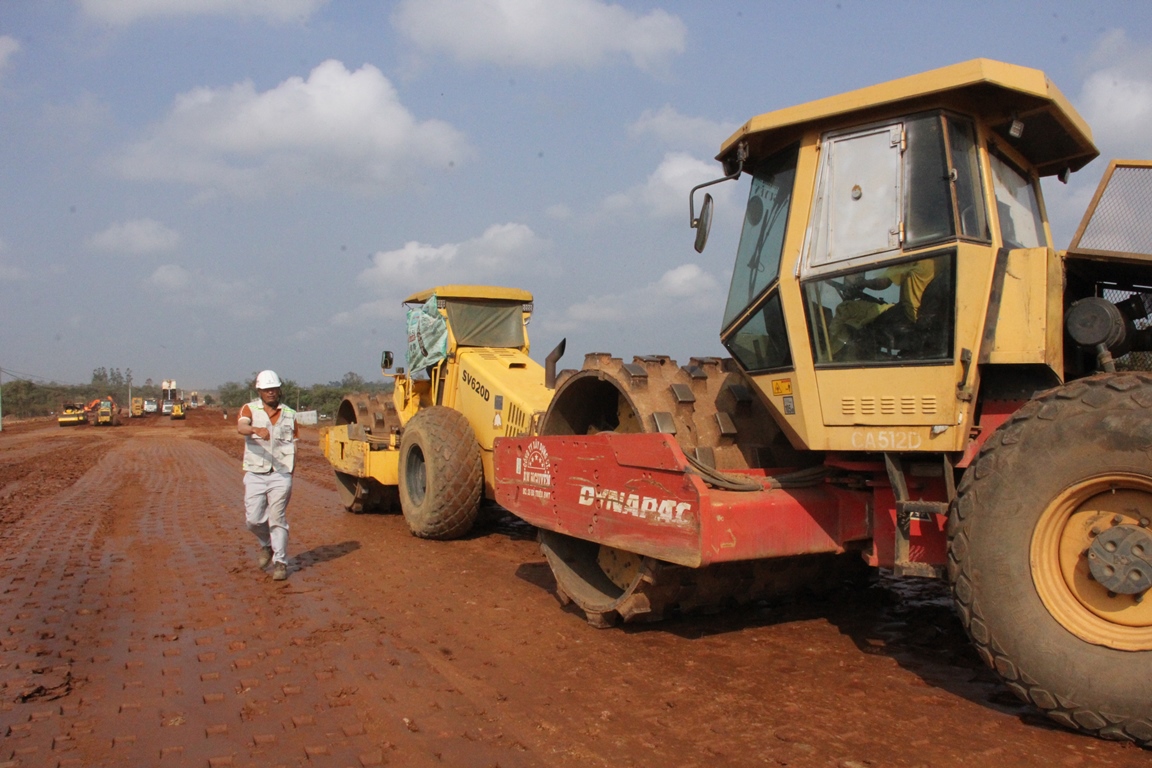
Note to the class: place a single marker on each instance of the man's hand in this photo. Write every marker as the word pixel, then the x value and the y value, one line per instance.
pixel 244 427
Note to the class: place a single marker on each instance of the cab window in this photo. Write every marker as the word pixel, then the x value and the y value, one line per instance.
pixel 892 187
pixel 898 312
pixel 486 323
pixel 1017 206
pixel 761 342
pixel 762 238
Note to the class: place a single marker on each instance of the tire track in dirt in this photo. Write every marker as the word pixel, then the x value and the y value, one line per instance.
pixel 803 684
pixel 176 648
pixel 31 470
pixel 135 629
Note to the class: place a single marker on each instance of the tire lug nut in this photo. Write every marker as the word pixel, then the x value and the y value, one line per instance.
pixel 1117 519
pixel 1095 531
pixel 1145 522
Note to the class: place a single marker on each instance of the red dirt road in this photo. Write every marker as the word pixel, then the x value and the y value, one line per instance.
pixel 136 630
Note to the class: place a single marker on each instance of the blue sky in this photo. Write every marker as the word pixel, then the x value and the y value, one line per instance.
pixel 199 189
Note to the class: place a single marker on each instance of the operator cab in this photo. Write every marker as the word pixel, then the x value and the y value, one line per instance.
pixel 444 321
pixel 877 224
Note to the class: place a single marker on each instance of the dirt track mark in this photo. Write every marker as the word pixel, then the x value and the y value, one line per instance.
pixel 35 473
pixel 137 601
pixel 169 637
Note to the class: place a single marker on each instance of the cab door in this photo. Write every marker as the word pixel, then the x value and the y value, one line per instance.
pixel 879 272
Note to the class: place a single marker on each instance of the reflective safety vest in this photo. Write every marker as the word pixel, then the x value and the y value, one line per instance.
pixel 277 453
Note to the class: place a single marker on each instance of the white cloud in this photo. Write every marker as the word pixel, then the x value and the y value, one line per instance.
pixel 665 192
pixel 170 277
pixel 680 131
pixel 340 129
pixel 684 290
pixel 491 257
pixel 137 236
pixel 121 12
pixel 542 33
pixel 559 211
pixel 1116 98
pixel 500 256
pixel 238 299
pixel 8 47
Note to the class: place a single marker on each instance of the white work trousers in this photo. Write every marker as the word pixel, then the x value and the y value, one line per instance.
pixel 265 505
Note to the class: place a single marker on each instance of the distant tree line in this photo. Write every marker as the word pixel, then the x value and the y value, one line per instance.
pixel 22 398
pixel 322 398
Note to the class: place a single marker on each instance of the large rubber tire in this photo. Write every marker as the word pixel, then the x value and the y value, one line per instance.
pixel 441 474
pixel 1066 467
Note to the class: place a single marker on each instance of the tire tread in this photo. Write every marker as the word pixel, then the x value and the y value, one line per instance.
pixel 455 479
pixel 1084 395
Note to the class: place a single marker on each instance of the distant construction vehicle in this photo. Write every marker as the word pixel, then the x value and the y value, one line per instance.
pixel 137 408
pixel 150 405
pixel 107 412
pixel 168 396
pixel 72 414
pixel 178 409
pixel 428 446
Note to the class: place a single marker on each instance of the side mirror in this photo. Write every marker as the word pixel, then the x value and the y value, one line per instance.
pixel 703 224
pixel 386 360
pixel 733 166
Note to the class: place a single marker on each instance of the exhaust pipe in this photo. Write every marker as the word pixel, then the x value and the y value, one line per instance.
pixel 550 364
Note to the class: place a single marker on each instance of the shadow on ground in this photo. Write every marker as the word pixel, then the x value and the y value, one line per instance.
pixel 324 553
pixel 910 621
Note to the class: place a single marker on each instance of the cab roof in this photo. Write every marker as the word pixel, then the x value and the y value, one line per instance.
pixel 1055 136
pixel 481 292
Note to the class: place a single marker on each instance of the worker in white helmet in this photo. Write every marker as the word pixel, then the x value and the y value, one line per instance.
pixel 270 432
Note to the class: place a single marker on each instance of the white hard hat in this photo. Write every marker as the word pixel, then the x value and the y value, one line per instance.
pixel 267 380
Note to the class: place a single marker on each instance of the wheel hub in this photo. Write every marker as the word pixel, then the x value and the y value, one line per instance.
pixel 1092 560
pixel 1120 558
pixel 416 477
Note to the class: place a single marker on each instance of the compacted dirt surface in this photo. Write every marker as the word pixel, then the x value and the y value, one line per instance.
pixel 136 630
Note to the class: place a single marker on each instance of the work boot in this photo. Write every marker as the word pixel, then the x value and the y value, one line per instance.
pixel 265 557
pixel 280 572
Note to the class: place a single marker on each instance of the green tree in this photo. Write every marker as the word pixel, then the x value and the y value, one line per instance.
pixel 233 394
pixel 19 397
pixel 352 381
pixel 322 398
